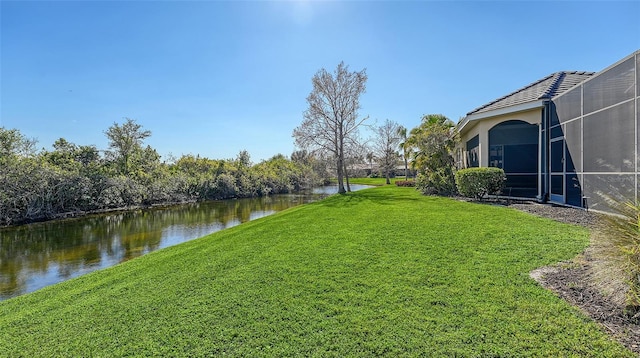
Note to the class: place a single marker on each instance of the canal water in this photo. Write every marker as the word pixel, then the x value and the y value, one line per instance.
pixel 37 255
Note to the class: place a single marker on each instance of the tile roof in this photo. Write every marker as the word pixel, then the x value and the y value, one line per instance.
pixel 547 87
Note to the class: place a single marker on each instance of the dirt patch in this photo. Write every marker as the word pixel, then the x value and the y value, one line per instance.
pixel 573 280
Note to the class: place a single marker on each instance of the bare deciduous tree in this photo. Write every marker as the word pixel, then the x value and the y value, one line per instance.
pixel 331 121
pixel 386 143
pixel 354 152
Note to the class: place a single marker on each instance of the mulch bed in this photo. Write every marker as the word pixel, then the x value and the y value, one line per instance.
pixel 572 280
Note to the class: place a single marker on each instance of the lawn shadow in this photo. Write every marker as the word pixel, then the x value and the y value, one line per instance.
pixel 377 195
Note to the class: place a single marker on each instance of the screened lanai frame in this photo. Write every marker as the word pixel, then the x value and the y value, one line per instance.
pixel 593 129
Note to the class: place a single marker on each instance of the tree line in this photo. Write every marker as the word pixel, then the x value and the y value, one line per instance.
pixel 73 179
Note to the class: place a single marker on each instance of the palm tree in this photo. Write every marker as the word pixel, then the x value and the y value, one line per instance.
pixel 404 146
pixel 370 159
pixel 432 144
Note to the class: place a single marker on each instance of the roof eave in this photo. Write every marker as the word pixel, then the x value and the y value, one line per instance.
pixel 500 111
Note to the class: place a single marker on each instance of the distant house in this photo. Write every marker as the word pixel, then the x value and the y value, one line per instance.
pixel 570 138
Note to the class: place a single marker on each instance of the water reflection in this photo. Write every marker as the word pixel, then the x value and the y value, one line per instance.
pixel 37 255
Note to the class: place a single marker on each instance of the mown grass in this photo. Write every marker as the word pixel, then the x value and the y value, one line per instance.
pixel 373 181
pixel 379 272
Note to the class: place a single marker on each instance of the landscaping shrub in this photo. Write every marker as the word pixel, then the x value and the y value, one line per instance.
pixel 478 182
pixel 405 183
pixel 432 144
pixel 440 181
pixel 618 247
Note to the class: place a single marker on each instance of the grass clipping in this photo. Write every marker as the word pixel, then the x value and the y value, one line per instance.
pixel 616 249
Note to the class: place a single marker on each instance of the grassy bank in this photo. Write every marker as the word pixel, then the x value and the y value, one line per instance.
pixel 371 181
pixel 383 271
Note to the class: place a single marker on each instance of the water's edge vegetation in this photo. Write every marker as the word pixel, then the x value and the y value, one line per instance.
pixel 379 272
pixel 74 180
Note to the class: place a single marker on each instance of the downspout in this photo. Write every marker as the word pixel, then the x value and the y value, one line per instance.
pixel 540 152
pixel 543 159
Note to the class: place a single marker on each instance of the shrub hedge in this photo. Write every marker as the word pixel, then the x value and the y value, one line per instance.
pixel 478 182
pixel 405 183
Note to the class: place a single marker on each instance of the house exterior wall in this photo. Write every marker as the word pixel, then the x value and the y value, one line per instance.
pixel 589 138
pixel 481 129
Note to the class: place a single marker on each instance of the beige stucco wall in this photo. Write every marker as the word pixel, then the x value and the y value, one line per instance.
pixel 481 127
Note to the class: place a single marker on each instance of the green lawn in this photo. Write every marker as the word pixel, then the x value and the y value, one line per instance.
pixel 379 272
pixel 372 181
pixel 377 181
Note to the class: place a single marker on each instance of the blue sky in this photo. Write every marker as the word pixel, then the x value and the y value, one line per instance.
pixel 214 77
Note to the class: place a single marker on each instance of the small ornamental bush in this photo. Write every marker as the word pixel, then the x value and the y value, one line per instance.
pixel 618 246
pixel 440 181
pixel 405 183
pixel 478 182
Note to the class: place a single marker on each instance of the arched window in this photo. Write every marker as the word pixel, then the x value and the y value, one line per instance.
pixel 513 146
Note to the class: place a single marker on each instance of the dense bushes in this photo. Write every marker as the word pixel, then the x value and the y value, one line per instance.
pixel 75 179
pixel 438 181
pixel 478 182
pixel 31 189
pixel 405 183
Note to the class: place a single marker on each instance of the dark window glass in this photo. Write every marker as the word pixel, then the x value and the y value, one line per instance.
pixel 496 156
pixel 556 184
pixel 557 156
pixel 513 146
pixel 473 142
pixel 513 132
pixel 473 149
pixel 556 132
pixel 520 158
